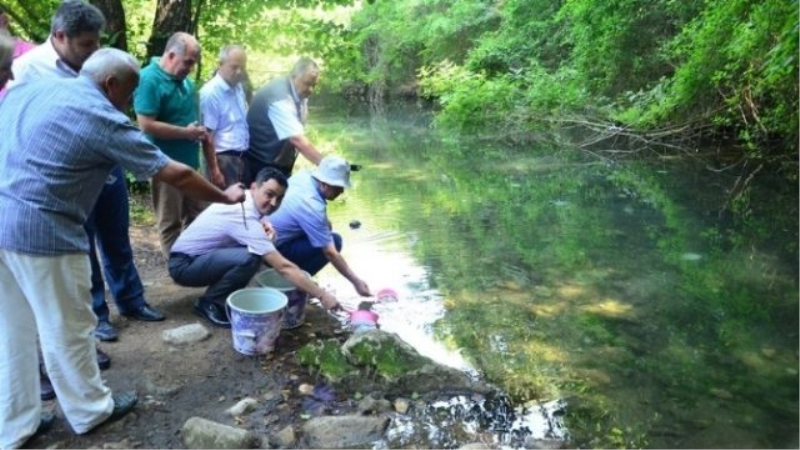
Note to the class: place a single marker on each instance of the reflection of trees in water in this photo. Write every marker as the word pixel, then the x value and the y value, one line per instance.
pixel 376 89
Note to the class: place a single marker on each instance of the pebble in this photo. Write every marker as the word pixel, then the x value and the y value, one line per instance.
pixel 305 389
pixel 242 406
pixel 401 405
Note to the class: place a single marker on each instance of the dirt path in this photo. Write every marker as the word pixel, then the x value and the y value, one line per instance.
pixel 203 379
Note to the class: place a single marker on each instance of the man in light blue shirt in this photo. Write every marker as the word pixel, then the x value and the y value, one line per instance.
pixel 61 139
pixel 74 36
pixel 224 248
pixel 302 225
pixel 223 111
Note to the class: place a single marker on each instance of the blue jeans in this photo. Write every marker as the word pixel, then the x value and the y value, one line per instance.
pixel 107 226
pixel 224 271
pixel 311 259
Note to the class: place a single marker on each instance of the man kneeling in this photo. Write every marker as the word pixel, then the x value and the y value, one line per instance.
pixel 224 246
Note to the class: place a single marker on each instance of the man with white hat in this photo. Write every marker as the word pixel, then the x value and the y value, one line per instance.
pixel 302 225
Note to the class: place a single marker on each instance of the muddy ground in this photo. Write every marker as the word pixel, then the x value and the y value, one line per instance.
pixel 202 379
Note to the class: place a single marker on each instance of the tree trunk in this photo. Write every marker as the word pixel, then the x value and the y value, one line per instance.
pixel 171 16
pixel 115 22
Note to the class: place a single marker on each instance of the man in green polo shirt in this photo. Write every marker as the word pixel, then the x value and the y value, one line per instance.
pixel 167 110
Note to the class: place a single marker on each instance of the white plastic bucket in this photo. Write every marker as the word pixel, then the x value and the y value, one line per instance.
pixel 296 299
pixel 255 315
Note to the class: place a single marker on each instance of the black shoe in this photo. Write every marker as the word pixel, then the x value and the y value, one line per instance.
pixel 146 314
pixel 48 393
pixel 105 331
pixel 213 313
pixel 46 422
pixel 123 404
pixel 103 360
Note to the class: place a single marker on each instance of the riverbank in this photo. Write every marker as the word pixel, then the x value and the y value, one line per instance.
pixel 201 379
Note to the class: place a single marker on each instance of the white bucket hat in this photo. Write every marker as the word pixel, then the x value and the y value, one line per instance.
pixel 333 170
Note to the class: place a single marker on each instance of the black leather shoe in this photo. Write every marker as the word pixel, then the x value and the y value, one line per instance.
pixel 212 313
pixel 103 360
pixel 146 314
pixel 105 331
pixel 48 393
pixel 123 404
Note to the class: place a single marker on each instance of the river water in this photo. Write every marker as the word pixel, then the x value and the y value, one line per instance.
pixel 621 288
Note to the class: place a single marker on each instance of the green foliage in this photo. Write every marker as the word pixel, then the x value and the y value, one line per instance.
pixel 737 67
pixel 30 19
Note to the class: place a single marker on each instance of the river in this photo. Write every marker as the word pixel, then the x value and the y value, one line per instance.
pixel 622 288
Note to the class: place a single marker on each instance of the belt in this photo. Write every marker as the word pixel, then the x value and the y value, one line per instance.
pixel 236 153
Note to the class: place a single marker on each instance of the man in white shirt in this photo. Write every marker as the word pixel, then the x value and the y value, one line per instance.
pixel 223 111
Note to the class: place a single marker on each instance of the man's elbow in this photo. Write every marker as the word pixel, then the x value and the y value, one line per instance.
pixel 174 173
pixel 299 140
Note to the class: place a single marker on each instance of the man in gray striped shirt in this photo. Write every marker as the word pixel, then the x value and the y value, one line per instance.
pixel 61 139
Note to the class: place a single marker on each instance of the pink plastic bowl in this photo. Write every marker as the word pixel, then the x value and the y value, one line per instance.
pixel 387 295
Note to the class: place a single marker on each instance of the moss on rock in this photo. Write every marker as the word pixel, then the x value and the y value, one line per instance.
pixel 327 358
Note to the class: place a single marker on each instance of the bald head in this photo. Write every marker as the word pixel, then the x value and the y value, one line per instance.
pixel 232 64
pixel 110 62
pixel 180 55
pixel 115 72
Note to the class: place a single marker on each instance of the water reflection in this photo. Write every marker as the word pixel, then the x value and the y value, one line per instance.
pixel 618 286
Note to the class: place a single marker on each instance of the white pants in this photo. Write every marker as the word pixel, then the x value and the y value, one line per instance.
pixel 49 295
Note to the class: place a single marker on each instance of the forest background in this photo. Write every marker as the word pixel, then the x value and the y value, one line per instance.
pixel 666 76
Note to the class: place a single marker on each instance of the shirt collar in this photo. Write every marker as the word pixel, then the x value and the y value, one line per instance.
pixel 161 72
pixel 250 205
pixel 224 84
pixel 52 55
pixel 295 96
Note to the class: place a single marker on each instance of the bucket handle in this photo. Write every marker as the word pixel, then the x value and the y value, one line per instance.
pixel 228 311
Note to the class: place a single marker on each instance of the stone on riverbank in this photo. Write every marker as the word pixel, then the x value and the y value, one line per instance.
pixel 343 431
pixel 201 433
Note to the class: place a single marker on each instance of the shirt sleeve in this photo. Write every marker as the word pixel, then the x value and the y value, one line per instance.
pixel 145 97
pixel 23 71
pixel 130 149
pixel 284 117
pixel 209 109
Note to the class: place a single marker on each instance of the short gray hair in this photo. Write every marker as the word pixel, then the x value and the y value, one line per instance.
pixel 110 62
pixel 226 51
pixel 74 17
pixel 179 41
pixel 303 65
